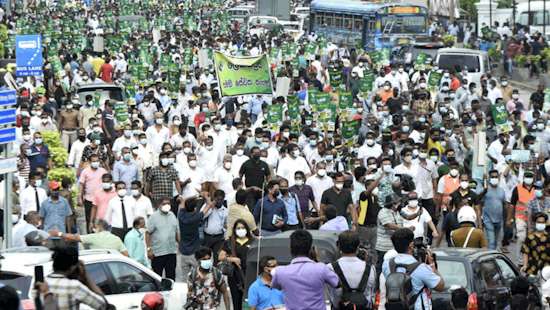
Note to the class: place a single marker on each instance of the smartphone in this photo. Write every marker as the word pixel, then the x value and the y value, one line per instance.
pixel 39 274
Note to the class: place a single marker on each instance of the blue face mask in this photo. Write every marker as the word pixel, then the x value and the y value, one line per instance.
pixel 206 264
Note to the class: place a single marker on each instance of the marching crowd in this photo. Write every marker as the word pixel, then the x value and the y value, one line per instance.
pixel 190 178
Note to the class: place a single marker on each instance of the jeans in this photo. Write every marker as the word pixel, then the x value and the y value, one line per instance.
pixel 492 232
pixel 521 234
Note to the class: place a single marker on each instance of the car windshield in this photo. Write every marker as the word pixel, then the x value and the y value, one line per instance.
pixel 20 282
pixel 454 273
pixel 101 94
pixel 458 61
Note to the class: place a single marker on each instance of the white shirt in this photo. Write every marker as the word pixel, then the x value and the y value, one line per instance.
pixel 75 156
pixel 224 178
pixel 495 150
pixel 177 140
pixel 209 161
pixel 194 187
pixel 146 154
pixel 27 199
pixel 143 207
pixel 19 231
pixel 402 169
pixel 113 215
pixel 365 151
pixel 288 166
pixel 424 179
pixel 319 185
pixel 156 138
pixel 122 142
pixel 236 163
pixel 494 94
pixel 419 223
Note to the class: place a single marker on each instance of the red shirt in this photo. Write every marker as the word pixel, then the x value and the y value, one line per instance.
pixel 106 73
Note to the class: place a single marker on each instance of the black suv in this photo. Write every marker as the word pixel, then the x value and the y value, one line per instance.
pixel 485 274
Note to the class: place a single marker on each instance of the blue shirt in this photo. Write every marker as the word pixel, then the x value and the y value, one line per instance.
pixel 422 276
pixel 39 157
pixel 54 213
pixel 271 208
pixel 135 245
pixel 291 205
pixel 125 172
pixel 256 105
pixel 189 223
pixel 493 204
pixel 262 296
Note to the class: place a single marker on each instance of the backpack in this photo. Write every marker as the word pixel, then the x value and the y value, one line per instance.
pixel 399 289
pixel 352 298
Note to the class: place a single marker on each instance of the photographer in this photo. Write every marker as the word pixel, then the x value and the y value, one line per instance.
pixel 423 275
pixel 357 278
pixel 388 221
pixel 70 283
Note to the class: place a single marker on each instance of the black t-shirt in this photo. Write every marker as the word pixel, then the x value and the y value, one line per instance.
pixel 372 209
pixel 340 200
pixel 395 105
pixel 450 223
pixel 457 197
pixel 254 172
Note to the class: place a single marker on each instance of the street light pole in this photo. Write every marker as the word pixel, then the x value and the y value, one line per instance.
pixel 544 19
pixel 491 14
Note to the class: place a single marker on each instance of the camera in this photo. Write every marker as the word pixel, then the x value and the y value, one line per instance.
pixel 420 250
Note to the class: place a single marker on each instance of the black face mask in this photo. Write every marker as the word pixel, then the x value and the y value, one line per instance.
pixel 256 157
pixel 82 138
pixel 284 191
pixel 54 195
pixel 276 193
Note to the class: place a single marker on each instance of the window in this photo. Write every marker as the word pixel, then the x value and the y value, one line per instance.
pixel 453 272
pixel 454 61
pixel 537 18
pixel 338 20
pixel 348 22
pixel 97 273
pixel 405 23
pixel 508 273
pixel 129 279
pixel 490 275
pixel 329 19
pixel 358 23
pixel 21 283
pixel 319 19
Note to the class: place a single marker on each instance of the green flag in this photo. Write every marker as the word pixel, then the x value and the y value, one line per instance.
pixel 500 114
pixel 243 75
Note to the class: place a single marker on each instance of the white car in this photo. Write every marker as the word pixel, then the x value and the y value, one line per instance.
pixel 123 280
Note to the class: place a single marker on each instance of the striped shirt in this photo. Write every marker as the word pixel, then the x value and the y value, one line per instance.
pixel 71 293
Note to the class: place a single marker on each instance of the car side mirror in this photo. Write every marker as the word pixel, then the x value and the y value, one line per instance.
pixel 166 284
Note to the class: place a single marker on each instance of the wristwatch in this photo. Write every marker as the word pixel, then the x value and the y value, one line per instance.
pixel 60 234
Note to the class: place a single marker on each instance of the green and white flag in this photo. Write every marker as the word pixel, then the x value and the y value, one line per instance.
pixel 243 75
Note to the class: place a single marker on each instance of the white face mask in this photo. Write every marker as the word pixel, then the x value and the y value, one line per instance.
pixel 159 121
pixel 206 264
pixel 165 208
pixel 464 184
pixel 528 181
pixel 240 232
pixel 453 173
pixel 14 218
pixel 192 163
pixel 321 172
pixel 121 192
pixel 94 164
pixel 106 185
pixel 240 152
pixel 413 203
pixel 493 181
pixel 136 192
pixel 339 186
pixel 186 150
pixel 165 161
pixel 540 226
pixel 227 165
pixel 299 182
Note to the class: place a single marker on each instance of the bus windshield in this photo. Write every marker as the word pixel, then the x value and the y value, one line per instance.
pixel 403 23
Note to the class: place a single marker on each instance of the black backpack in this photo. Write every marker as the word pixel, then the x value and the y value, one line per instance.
pixel 352 298
pixel 399 289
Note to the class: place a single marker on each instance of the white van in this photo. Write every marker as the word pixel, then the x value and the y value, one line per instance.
pixel 475 61
pixel 531 15
pixel 241 13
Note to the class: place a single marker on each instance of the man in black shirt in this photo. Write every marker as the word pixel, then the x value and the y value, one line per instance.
pixel 395 103
pixel 341 199
pixel 254 170
pixel 537 98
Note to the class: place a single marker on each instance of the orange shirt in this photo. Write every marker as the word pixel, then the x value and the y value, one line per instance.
pixel 385 95
pixel 455 84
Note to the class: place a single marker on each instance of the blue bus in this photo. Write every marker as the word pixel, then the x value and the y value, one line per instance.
pixel 372 25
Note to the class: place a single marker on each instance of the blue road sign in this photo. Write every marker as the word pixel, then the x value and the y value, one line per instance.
pixel 7 135
pixel 28 55
pixel 7 98
pixel 7 117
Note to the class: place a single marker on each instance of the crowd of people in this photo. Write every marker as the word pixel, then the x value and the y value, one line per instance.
pixel 190 179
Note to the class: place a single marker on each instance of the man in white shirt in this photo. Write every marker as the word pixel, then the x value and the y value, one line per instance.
pixel 500 147
pixel 191 179
pixel 209 158
pixel 418 217
pixel 407 167
pixel 319 182
pixel 179 139
pixel 493 92
pixel 292 163
pixel 214 221
pixel 157 134
pixel 369 149
pixel 126 140
pixel 143 206
pixel 120 211
pixel 77 148
pixel 31 197
pixel 146 153
pixel 224 176
pixel 238 159
pixel 23 226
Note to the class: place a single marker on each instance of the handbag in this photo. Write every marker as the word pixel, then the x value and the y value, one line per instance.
pixel 227 268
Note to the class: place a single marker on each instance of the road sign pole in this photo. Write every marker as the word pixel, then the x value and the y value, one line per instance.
pixel 8 183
